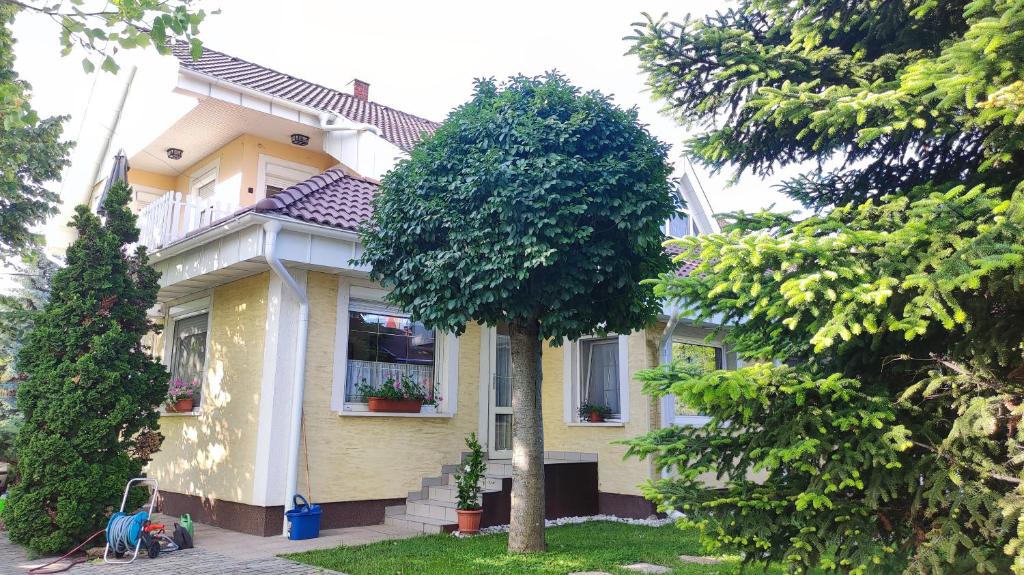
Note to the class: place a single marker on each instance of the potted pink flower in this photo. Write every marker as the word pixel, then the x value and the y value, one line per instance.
pixel 401 395
pixel 181 395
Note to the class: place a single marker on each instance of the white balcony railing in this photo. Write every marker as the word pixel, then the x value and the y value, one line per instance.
pixel 172 216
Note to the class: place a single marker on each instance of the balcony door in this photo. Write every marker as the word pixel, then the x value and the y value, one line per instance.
pixel 499 444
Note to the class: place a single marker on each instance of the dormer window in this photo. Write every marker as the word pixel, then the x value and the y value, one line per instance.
pixel 681 225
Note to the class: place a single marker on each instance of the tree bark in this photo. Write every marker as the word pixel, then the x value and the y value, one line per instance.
pixel 526 528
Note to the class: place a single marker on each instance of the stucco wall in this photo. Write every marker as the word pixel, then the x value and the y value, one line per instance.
pixel 615 475
pixel 355 458
pixel 238 167
pixel 212 454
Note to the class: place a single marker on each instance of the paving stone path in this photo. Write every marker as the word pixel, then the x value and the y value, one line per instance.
pixel 650 568
pixel 191 562
pixel 699 559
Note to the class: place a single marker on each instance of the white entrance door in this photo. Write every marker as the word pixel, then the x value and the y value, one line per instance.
pixel 499 444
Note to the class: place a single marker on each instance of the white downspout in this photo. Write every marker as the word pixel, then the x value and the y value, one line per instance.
pixel 665 356
pixel 299 375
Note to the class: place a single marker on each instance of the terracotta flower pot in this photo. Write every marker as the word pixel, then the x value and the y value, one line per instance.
pixel 469 520
pixel 380 404
pixel 595 417
pixel 181 406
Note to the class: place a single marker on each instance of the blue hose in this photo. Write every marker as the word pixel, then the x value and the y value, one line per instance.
pixel 124 531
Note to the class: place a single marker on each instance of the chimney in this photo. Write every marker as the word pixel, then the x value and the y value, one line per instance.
pixel 361 90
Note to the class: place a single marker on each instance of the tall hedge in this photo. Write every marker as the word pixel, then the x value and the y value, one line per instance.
pixel 91 388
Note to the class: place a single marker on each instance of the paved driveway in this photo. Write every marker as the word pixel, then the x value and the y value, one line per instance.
pixel 191 562
pixel 219 552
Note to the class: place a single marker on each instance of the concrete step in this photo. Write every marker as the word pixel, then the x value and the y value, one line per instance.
pixel 394 510
pixel 499 469
pixel 487 483
pixel 420 523
pixel 435 509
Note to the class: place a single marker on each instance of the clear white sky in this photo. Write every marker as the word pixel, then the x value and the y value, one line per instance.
pixel 418 56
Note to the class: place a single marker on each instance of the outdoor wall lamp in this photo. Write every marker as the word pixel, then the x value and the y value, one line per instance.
pixel 300 139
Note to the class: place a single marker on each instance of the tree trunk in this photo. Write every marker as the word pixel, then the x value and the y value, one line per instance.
pixel 526 529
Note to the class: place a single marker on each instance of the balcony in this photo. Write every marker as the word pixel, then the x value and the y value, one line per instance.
pixel 173 216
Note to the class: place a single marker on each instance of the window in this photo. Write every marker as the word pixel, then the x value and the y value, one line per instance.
pixel 188 346
pixel 707 356
pixel 597 375
pixel 383 344
pixel 276 174
pixel 203 188
pixel 375 341
pixel 680 225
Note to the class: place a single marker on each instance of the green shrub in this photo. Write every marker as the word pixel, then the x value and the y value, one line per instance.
pixel 91 389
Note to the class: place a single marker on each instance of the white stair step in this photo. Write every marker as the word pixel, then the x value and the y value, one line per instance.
pixel 444 493
pixel 495 469
pixel 418 523
pixel 487 483
pixel 434 509
pixel 394 510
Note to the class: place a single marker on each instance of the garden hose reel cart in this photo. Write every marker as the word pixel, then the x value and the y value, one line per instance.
pixel 132 533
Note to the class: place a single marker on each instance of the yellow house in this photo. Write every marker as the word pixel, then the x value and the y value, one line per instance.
pixel 249 195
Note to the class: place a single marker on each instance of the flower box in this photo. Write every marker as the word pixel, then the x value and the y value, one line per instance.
pixel 379 404
pixel 181 406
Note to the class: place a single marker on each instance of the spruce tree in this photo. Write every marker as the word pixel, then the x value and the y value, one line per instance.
pixel 876 426
pixel 91 388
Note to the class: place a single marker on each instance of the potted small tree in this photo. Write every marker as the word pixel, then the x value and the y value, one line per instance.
pixel 594 412
pixel 469 505
pixel 181 395
pixel 401 395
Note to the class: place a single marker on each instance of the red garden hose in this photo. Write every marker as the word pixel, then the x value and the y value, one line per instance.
pixel 39 570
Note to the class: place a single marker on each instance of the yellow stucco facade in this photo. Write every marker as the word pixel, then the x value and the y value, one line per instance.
pixel 212 453
pixel 237 167
pixel 615 475
pixel 355 458
pixel 358 457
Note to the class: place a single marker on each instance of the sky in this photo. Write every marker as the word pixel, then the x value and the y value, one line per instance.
pixel 419 57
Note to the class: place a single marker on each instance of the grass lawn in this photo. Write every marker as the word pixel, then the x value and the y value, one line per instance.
pixel 593 546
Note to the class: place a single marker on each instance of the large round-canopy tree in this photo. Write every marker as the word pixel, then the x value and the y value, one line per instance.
pixel 878 430
pixel 535 205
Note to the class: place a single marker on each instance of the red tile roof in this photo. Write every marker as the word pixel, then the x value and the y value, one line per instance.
pixel 333 198
pixel 399 128
pixel 686 267
pixel 338 199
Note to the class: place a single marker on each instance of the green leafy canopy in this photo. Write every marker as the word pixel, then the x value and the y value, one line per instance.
pixel 533 201
pixel 876 425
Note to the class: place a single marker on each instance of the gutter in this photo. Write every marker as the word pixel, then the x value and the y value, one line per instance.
pixel 240 221
pixel 326 118
pixel 272 229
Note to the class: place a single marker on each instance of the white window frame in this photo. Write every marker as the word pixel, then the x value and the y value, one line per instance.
pixel 573 387
pixel 203 176
pixel 446 359
pixel 179 312
pixel 668 406
pixel 139 190
pixel 266 175
pixel 692 229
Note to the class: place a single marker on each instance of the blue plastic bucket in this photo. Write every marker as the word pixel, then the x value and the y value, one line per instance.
pixel 304 519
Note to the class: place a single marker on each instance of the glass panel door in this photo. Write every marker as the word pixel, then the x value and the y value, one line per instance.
pixel 500 424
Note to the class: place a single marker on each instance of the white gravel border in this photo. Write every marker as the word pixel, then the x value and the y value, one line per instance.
pixel 577 520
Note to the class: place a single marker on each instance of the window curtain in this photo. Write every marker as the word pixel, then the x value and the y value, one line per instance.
pixel 384 344
pixel 601 384
pixel 189 352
